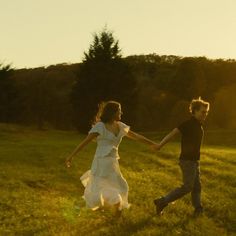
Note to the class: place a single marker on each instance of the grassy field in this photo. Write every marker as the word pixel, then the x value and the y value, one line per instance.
pixel 39 196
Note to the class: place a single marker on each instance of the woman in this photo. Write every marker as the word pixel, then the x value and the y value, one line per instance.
pixel 104 183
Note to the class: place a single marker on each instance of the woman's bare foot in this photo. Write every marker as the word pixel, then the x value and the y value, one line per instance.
pixel 101 208
pixel 118 212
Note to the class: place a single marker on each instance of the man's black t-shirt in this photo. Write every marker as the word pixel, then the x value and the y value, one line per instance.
pixel 192 134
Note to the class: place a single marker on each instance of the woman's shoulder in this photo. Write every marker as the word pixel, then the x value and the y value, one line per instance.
pixel 122 123
pixel 99 123
pixel 97 128
pixel 124 127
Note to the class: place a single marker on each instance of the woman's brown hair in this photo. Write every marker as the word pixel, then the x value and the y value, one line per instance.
pixel 107 111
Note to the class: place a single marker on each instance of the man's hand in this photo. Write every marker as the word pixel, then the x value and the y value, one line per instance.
pixel 165 140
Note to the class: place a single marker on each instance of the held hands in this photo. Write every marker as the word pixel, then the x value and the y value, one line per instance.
pixel 156 147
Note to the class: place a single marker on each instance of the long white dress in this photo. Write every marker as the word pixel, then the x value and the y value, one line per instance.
pixel 104 182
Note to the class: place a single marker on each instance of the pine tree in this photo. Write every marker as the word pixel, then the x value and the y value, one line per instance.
pixel 102 76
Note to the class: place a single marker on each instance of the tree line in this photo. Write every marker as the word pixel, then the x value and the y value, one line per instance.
pixel 154 90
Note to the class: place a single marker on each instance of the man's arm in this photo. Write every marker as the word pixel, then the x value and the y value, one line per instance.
pixel 167 138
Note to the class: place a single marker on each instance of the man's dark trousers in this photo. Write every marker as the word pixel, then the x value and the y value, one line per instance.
pixel 191 183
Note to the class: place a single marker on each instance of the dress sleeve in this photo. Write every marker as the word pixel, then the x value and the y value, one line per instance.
pixel 97 128
pixel 124 128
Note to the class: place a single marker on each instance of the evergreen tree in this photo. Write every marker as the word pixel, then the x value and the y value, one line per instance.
pixel 8 94
pixel 102 76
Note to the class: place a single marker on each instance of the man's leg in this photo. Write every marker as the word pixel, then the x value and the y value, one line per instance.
pixel 188 169
pixel 196 192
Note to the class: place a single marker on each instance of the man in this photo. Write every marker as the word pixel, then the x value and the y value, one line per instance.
pixel 192 134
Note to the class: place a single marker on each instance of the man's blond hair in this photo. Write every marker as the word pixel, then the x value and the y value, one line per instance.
pixel 196 104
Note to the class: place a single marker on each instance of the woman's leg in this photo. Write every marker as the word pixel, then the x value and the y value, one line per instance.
pixel 117 210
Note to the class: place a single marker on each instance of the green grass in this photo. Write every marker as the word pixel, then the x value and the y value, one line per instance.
pixel 39 196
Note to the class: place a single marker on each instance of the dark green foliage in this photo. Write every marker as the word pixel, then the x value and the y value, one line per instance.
pixel 8 95
pixel 102 76
pixel 154 90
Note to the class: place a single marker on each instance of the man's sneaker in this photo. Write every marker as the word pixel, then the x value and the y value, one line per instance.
pixel 160 205
pixel 198 211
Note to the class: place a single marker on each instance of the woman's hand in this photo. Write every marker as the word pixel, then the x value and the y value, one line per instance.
pixel 88 139
pixel 68 161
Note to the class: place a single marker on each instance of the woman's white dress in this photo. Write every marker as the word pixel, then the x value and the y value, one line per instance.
pixel 104 182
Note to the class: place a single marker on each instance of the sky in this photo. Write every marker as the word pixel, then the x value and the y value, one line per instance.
pixel 47 32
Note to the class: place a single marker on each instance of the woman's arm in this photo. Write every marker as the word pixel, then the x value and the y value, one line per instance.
pixel 87 140
pixel 140 138
pixel 167 138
